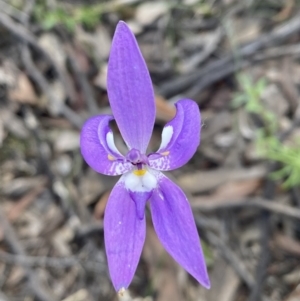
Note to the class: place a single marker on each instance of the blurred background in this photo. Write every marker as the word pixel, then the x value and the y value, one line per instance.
pixel 239 59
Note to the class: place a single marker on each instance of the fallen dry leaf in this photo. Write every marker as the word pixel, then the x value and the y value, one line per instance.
pixel 286 12
pixel 54 48
pixel 225 282
pixel 100 206
pixel 228 192
pixel 164 110
pixel 237 189
pixel 66 140
pixel 295 295
pixel 21 185
pixel 287 244
pixel 16 276
pixel 148 12
pixel 19 207
pixel 23 91
pixel 81 295
pixel 203 181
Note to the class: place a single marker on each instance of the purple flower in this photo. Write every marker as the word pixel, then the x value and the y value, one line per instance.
pixel 132 101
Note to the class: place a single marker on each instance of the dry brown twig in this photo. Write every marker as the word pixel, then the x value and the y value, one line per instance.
pixel 33 71
pixel 259 203
pixel 194 83
pixel 24 35
pixel 82 79
pixel 50 262
pixel 36 286
pixel 28 38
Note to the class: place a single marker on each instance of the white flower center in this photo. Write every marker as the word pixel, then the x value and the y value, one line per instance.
pixel 141 180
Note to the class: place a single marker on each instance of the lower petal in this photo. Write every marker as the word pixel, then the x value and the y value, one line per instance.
pixel 175 226
pixel 124 235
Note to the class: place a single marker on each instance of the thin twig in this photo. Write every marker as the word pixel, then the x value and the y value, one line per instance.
pixel 275 52
pixel 38 260
pixel 191 63
pixel 259 203
pixel 38 77
pixel 12 11
pixel 226 252
pixel 269 193
pixel 265 226
pixel 84 84
pixel 232 258
pixel 11 238
pixel 195 82
pixel 30 66
pixel 23 34
pixel 50 262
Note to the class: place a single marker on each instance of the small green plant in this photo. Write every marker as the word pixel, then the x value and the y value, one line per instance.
pixel 250 93
pixel 208 254
pixel 287 155
pixel 68 16
pixel 250 98
pixel 268 144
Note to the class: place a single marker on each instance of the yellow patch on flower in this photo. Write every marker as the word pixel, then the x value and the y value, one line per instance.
pixel 110 157
pixel 139 172
pixel 165 153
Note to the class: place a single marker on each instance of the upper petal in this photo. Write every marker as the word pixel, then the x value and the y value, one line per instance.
pixel 130 89
pixel 98 148
pixel 175 227
pixel 124 235
pixel 180 137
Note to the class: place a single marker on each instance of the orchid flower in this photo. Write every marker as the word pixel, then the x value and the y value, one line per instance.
pixel 132 102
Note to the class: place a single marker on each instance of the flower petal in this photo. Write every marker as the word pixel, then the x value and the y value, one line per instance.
pixel 98 148
pixel 124 235
pixel 180 137
pixel 175 226
pixel 130 89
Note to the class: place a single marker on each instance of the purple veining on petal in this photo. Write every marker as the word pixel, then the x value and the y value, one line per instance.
pixel 130 89
pixel 175 226
pixel 180 138
pixel 98 149
pixel 124 235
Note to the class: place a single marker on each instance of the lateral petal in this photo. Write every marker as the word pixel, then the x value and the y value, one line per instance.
pixel 98 148
pixel 180 137
pixel 124 235
pixel 130 89
pixel 175 226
